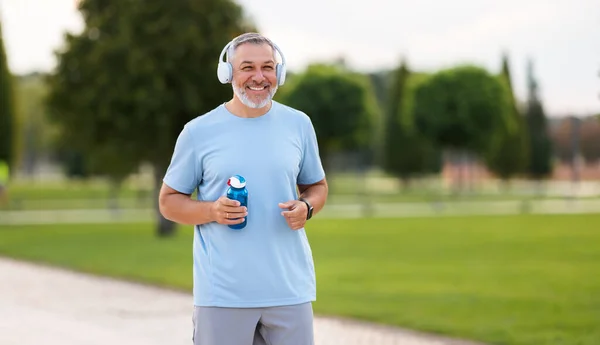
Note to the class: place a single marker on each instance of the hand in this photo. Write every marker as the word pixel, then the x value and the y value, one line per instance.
pixel 228 211
pixel 296 213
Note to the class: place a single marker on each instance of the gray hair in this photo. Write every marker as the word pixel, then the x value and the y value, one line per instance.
pixel 249 37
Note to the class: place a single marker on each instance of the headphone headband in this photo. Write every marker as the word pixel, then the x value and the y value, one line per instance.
pixel 231 42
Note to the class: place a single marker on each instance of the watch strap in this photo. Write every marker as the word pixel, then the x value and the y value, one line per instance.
pixel 309 208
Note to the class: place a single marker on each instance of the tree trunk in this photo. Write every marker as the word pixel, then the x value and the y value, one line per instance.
pixel 458 172
pixel 405 183
pixel 164 227
pixel 467 164
pixel 326 158
pixel 113 195
pixel 505 186
pixel 364 194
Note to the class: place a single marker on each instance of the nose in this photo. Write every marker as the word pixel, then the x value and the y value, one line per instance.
pixel 258 76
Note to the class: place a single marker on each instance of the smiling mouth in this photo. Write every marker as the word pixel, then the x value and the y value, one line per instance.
pixel 255 88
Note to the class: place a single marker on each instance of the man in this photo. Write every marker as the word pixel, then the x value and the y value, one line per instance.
pixel 255 285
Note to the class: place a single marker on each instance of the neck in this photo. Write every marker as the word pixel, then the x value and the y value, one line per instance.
pixel 236 107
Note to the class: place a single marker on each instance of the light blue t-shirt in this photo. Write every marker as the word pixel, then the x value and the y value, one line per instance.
pixel 266 263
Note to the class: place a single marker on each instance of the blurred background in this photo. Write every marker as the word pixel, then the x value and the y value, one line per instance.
pixel 422 110
pixel 411 102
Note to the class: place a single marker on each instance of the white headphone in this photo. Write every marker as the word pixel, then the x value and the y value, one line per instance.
pixel 225 70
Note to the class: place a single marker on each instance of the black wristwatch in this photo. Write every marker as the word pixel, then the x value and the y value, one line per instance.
pixel 310 208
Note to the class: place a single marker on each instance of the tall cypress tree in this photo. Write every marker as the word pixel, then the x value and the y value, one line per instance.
pixel 394 134
pixel 6 107
pixel 540 160
pixel 509 152
pixel 406 152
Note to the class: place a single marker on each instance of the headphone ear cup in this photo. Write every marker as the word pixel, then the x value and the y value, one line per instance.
pixel 280 70
pixel 224 72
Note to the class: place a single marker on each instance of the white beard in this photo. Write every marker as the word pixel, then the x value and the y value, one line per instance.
pixel 241 94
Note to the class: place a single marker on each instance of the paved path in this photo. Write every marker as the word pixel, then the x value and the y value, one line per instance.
pixel 50 306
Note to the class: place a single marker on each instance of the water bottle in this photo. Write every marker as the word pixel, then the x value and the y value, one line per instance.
pixel 237 191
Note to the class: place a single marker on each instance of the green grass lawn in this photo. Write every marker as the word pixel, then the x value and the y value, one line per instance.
pixel 504 280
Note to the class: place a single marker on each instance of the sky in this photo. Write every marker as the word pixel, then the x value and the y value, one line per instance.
pixel 561 37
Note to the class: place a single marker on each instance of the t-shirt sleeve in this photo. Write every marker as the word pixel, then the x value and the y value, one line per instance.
pixel 311 168
pixel 185 171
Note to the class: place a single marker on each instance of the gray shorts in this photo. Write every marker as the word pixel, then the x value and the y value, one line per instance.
pixel 287 325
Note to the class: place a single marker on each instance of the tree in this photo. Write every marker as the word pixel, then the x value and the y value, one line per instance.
pixel 380 81
pixel 341 106
pixel 509 150
pixel 6 107
pixel 562 140
pixel 36 135
pixel 406 152
pixel 460 109
pixel 124 87
pixel 540 160
pixel 590 140
pixel 429 155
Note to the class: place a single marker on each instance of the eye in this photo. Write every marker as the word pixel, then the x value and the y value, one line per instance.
pixel 247 68
pixel 268 67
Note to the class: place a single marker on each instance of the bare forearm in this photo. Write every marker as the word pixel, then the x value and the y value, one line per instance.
pixel 182 209
pixel 316 194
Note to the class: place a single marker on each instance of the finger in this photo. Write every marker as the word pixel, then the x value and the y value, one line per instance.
pixel 239 212
pixel 296 212
pixel 288 221
pixel 297 225
pixel 233 209
pixel 287 204
pixel 291 216
pixel 233 215
pixel 232 218
pixel 228 202
pixel 295 221
pixel 233 221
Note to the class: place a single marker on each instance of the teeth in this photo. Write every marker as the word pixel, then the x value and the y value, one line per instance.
pixel 257 88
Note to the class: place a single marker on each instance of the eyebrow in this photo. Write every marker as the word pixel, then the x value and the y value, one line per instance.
pixel 251 62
